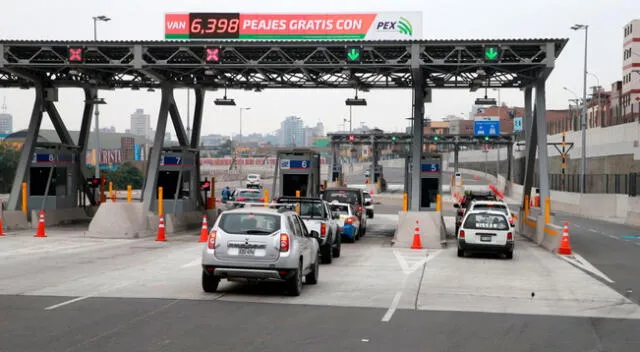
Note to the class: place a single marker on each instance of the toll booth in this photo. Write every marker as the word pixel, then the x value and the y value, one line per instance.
pixel 53 177
pixel 336 172
pixel 297 170
pixel 178 177
pixel 430 181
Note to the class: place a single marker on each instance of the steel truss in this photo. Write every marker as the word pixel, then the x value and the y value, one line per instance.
pixel 256 65
pixel 404 138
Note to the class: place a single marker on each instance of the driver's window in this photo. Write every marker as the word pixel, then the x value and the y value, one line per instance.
pixel 303 227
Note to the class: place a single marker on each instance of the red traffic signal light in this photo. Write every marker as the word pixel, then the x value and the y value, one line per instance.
pixel 212 55
pixel 75 54
pixel 352 138
pixel 205 185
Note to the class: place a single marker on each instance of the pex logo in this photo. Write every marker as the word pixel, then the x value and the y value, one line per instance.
pixel 403 26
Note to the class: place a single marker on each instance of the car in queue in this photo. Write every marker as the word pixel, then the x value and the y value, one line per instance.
pixel 349 223
pixel 258 245
pixel 485 231
pixel 254 181
pixel 494 205
pixel 353 196
pixel 465 203
pixel 246 195
pixel 318 217
pixel 368 205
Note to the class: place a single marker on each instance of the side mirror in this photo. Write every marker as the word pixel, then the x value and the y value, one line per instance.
pixel 456 205
pixel 513 225
pixel 314 234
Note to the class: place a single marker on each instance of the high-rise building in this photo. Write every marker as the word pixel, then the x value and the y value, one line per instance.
pixel 141 124
pixel 631 68
pixel 6 120
pixel 292 132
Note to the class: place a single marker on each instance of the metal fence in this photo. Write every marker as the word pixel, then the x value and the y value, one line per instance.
pixel 595 183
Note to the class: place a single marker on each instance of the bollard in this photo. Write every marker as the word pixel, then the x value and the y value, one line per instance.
pixel 405 202
pixel 24 198
pixel 266 197
pixel 438 203
pixel 213 193
pixel 298 204
pixel 114 195
pixel 526 205
pixel 160 202
pixel 129 193
pixel 547 210
pixel 325 184
pixel 103 182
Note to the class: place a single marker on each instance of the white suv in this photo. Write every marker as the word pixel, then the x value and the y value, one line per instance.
pixel 485 231
pixel 254 181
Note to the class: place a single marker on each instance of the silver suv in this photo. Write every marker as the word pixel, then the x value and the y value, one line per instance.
pixel 261 244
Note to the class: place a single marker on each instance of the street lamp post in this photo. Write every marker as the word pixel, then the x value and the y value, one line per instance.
pixel 240 136
pixel 584 108
pixel 101 18
pixel 596 95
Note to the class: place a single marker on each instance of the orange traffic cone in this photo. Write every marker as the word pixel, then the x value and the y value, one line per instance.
pixel 565 246
pixel 1 232
pixel 417 241
pixel 41 231
pixel 204 233
pixel 161 235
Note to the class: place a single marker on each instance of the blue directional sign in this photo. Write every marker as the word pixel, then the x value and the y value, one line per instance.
pixel 517 123
pixel 171 160
pixel 295 164
pixel 486 128
pixel 430 168
pixel 44 158
pixel 136 152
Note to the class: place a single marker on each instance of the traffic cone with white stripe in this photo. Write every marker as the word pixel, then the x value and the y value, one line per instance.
pixel 565 246
pixel 161 237
pixel 41 231
pixel 417 241
pixel 204 232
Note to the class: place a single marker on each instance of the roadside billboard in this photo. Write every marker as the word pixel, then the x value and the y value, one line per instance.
pixel 343 26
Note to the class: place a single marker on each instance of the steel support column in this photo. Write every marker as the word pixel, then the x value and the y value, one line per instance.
pixel 374 161
pixel 83 141
pixel 197 118
pixel 509 176
pixel 27 150
pixel 149 192
pixel 531 144
pixel 417 135
pixel 58 124
pixel 541 131
pixel 456 152
pixel 178 126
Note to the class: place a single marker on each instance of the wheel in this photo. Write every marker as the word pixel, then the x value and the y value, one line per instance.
pixel 371 217
pixel 326 254
pixel 460 253
pixel 294 284
pixel 509 255
pixel 312 277
pixel 455 234
pixel 338 247
pixel 209 283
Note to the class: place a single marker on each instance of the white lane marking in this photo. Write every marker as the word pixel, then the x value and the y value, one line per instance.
pixel 580 262
pixel 614 237
pixel 594 230
pixel 394 305
pixel 77 299
pixel 406 269
pixel 195 262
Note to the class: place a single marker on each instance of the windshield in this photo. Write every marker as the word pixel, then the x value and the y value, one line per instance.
pixel 249 223
pixel 342 196
pixel 497 207
pixel 486 221
pixel 252 177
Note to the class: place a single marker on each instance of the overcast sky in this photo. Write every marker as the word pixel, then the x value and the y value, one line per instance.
pixel 462 19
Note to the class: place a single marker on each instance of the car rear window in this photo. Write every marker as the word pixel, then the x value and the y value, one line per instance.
pixel 249 194
pixel 249 223
pixel 486 221
pixel 497 207
pixel 342 196
pixel 308 209
pixel 340 209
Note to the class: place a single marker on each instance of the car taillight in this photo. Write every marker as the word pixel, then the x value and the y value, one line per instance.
pixel 241 199
pixel 348 221
pixel 284 242
pixel 261 199
pixel 461 234
pixel 360 208
pixel 211 244
pixel 323 230
pixel 509 236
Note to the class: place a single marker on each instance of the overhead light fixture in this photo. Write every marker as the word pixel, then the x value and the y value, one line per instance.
pixel 224 101
pixel 151 90
pixel 485 101
pixel 356 101
pixel 98 101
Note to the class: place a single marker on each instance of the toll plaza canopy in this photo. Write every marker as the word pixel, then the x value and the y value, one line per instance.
pixel 256 65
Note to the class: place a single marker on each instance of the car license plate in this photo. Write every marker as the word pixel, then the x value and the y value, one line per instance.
pixel 485 238
pixel 246 251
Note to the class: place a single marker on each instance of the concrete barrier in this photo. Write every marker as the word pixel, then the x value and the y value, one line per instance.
pixel 120 220
pixel 14 220
pixel 55 217
pixel 432 229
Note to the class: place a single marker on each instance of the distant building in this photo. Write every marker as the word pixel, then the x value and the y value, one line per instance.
pixel 6 121
pixel 141 124
pixel 213 140
pixel 109 129
pixel 631 69
pixel 292 132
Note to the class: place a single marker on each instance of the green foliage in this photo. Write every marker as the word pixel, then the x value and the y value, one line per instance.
pixel 8 163
pixel 126 174
pixel 225 149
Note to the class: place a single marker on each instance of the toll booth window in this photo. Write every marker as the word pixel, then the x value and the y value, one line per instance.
pixel 292 183
pixel 429 188
pixel 185 192
pixel 38 178
pixel 168 180
pixel 60 181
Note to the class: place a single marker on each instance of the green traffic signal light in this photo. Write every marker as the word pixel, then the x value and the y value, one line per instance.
pixel 435 138
pixel 394 138
pixel 486 138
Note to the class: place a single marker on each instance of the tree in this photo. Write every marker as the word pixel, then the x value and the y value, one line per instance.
pixel 125 175
pixel 225 148
pixel 9 157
